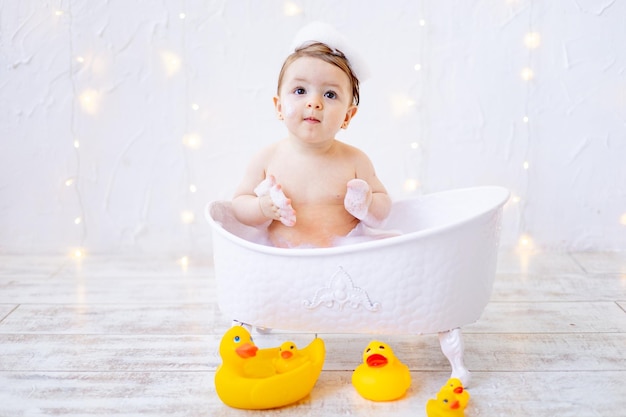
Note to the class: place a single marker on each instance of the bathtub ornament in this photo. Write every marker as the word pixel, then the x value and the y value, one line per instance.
pixel 249 379
pixel 381 376
pixel 451 400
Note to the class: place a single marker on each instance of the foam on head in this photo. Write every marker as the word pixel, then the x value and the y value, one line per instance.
pixel 327 34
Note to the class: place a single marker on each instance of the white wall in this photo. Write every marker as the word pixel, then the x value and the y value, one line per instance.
pixel 111 110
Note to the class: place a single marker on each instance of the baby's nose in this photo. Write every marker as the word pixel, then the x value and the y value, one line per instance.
pixel 314 103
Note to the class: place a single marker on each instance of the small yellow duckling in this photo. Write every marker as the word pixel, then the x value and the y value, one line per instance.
pixel 247 377
pixel 456 386
pixel 381 376
pixel 451 400
pixel 289 357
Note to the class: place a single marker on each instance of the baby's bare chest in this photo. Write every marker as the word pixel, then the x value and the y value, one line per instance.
pixel 314 183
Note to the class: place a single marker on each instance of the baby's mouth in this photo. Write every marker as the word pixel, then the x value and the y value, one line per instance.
pixel 311 120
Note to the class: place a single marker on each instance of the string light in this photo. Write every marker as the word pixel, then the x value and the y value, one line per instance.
pixel 195 107
pixel 192 141
pixel 89 100
pixel 76 144
pixel 193 188
pixel 291 9
pixel 422 22
pixel 187 216
pixel 417 67
pixel 184 263
pixel 411 185
pixel 78 253
pixel 59 13
pixel 78 220
pixel 401 104
pixel 527 74
pixel 171 62
pixel 532 40
pixel 182 16
pixel 622 219
pixel 525 242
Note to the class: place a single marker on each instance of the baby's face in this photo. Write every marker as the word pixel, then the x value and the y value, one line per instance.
pixel 315 99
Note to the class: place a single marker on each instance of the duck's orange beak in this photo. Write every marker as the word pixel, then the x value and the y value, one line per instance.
pixel 458 390
pixel 286 354
pixel 455 405
pixel 247 350
pixel 376 361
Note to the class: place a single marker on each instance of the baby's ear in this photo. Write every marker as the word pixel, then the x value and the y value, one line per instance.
pixel 278 106
pixel 349 115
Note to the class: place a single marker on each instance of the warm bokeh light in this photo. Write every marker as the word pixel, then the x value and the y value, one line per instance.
pixel 171 62
pixel 411 185
pixel 89 100
pixel 192 141
pixel 532 40
pixel 291 9
pixel 525 242
pixel 187 217
pixel 527 74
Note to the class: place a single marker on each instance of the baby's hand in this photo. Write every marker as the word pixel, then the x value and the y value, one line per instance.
pixel 358 198
pixel 281 206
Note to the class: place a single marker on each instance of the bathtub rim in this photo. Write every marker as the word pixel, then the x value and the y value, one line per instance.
pixel 355 247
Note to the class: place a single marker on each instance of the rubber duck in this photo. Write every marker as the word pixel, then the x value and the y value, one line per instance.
pixel 289 357
pixel 456 386
pixel 381 376
pixel 247 378
pixel 451 400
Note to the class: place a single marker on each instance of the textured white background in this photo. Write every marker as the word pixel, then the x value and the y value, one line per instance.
pixel 111 110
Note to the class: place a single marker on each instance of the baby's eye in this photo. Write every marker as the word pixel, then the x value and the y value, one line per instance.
pixel 330 94
pixel 299 91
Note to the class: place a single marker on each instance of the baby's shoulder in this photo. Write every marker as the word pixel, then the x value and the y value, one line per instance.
pixel 266 153
pixel 352 151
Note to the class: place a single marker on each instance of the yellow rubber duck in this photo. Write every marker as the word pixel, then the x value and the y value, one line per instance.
pixel 451 400
pixel 247 378
pixel 289 357
pixel 381 376
pixel 456 386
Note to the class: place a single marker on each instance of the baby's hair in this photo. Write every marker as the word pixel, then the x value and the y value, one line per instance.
pixel 325 53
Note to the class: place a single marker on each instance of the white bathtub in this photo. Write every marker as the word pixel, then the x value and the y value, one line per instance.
pixel 435 277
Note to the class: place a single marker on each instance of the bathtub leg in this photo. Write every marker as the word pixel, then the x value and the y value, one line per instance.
pixel 453 348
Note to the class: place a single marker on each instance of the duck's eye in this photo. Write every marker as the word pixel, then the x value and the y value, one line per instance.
pixel 237 339
pixel 445 401
pixel 381 347
pixel 292 347
pixel 368 349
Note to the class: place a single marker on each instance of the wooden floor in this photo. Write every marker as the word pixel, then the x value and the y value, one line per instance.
pixel 138 337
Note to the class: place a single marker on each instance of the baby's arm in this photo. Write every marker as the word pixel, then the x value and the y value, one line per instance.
pixel 280 206
pixel 368 200
pixel 257 200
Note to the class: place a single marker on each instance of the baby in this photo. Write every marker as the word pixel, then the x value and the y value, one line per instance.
pixel 311 188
